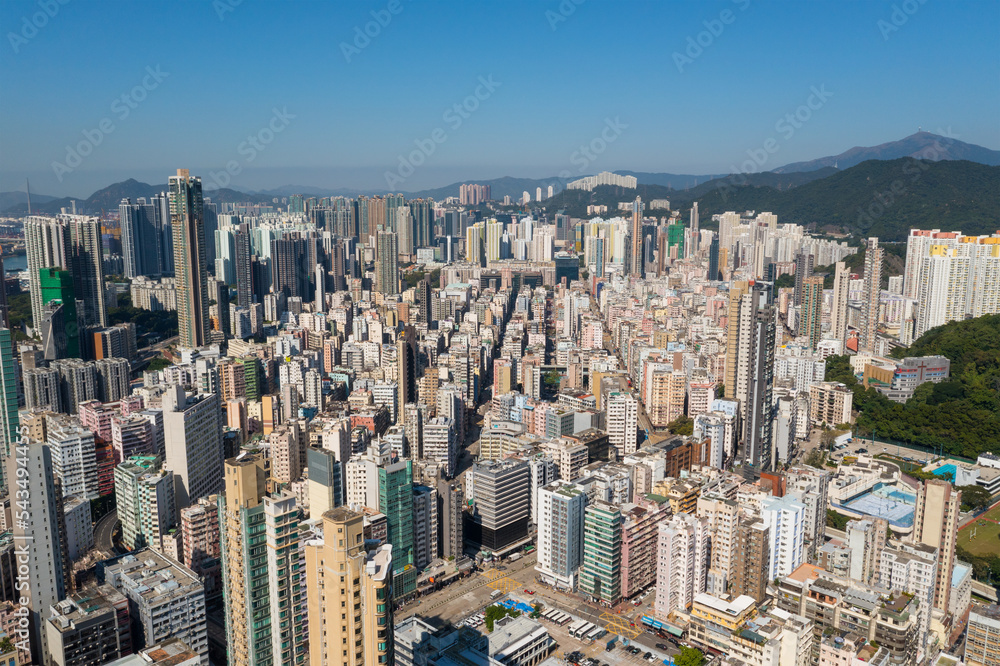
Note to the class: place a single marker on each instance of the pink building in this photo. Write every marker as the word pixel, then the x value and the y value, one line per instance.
pixel 200 536
pixel 639 538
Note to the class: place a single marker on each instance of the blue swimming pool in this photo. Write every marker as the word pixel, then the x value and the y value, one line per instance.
pixel 946 469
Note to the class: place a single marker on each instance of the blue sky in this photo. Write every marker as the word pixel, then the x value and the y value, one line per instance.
pixel 562 74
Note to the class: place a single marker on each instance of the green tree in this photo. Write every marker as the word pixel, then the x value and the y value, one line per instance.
pixel 683 426
pixel 494 613
pixel 815 458
pixel 784 280
pixel 689 657
pixel 975 498
pixel 837 521
pixel 158 363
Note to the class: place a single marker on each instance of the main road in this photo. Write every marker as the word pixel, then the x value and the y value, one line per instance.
pixel 103 532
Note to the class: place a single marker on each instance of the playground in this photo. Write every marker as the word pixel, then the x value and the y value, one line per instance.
pixel 986 531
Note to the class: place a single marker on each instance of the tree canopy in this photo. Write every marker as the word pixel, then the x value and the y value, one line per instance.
pixel 960 416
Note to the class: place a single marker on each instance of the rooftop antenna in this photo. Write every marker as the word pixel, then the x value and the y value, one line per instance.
pixel 27 186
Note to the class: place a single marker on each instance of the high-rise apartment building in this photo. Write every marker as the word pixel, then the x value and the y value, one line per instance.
pixel 192 428
pixel 71 243
pixel 785 520
pixel 36 529
pixel 982 640
pixel 935 524
pixel 9 420
pixel 440 440
pixel 350 595
pixel 682 562
pixel 89 627
pixel 637 257
pixel 190 258
pixel 838 312
pixel 870 299
pixel 803 271
pixel 737 289
pixel 166 600
pixel 560 533
pixel 722 516
pixel 144 494
pixel 200 538
pixel 623 422
pixel 601 566
pixel 387 266
pixel 265 604
pixel 752 559
pixel 499 491
pixel 141 239
pixel 754 377
pixel 395 500
pixel 811 326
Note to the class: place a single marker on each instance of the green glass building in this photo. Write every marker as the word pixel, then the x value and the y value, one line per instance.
pixel 601 573
pixel 57 285
pixel 395 500
pixel 8 398
pixel 675 237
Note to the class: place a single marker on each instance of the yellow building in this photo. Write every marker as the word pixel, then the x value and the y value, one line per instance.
pixel 349 595
pixel 261 577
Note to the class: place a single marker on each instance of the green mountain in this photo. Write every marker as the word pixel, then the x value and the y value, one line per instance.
pixel 921 145
pixel 960 416
pixel 109 197
pixel 874 198
pixel 879 198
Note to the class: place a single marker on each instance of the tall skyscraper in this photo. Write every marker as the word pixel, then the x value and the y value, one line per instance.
pixel 755 376
pixel 803 271
pixel 403 226
pixel 8 398
pixel 695 231
pixel 87 267
pixel 737 289
pixel 935 524
pixel 601 570
pixel 244 273
pixel 387 266
pixel 406 353
pixel 812 310
pixel 141 239
pixel 560 533
pixel 636 267
pixel 36 532
pixel 838 314
pixel 870 298
pixel 190 258
pixel 47 245
pixel 752 560
pixel 395 500
pixel 192 427
pixel 713 259
pixel 71 243
pixel 422 212
pixel 623 424
pixel 60 328
pixel 339 575
pixel 264 595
